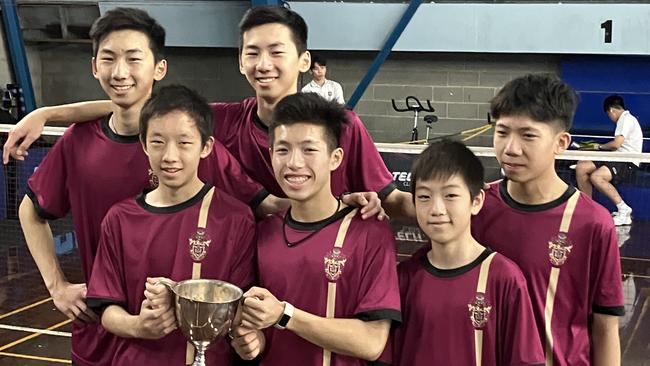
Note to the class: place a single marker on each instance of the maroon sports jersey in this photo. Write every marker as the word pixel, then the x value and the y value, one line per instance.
pixel 89 169
pixel 437 305
pixel 363 270
pixel 239 128
pixel 139 241
pixel 586 260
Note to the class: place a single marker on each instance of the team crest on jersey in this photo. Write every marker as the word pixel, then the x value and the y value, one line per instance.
pixel 334 264
pixel 199 243
pixel 329 94
pixel 153 180
pixel 559 249
pixel 479 311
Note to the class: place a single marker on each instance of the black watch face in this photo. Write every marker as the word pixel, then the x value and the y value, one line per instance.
pixel 284 320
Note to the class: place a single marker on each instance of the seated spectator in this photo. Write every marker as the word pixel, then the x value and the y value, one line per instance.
pixel 604 175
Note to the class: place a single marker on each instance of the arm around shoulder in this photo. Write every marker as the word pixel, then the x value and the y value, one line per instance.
pixel 77 112
pixel 30 128
pixel 399 204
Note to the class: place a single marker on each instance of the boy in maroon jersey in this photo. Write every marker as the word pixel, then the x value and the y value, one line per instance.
pixel 462 303
pixel 183 229
pixel 564 243
pixel 334 272
pixel 273 53
pixel 101 162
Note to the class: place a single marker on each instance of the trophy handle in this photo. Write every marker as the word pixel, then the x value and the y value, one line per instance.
pixel 171 286
pixel 236 321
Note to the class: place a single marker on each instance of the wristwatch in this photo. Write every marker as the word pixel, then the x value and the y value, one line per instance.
pixel 286 316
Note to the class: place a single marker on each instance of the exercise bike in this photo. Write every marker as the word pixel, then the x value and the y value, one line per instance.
pixel 414 105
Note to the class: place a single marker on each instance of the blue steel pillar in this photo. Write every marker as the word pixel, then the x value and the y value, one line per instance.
pixel 255 3
pixel 17 52
pixel 383 53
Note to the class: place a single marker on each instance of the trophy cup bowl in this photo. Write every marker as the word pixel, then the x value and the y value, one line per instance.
pixel 205 310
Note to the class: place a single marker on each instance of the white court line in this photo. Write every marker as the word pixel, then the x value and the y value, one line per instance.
pixel 35 330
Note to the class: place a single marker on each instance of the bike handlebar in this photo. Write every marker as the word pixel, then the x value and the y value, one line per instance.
pixel 413 104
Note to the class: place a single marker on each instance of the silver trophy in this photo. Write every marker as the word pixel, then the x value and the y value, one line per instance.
pixel 205 310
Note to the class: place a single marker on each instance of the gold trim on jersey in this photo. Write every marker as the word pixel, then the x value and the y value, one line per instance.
pixel 199 243
pixel 559 249
pixel 331 284
pixel 479 308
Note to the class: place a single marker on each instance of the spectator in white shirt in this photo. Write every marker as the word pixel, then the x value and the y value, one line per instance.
pixel 604 175
pixel 328 89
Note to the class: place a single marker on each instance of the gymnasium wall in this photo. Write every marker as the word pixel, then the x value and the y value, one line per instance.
pixel 459 85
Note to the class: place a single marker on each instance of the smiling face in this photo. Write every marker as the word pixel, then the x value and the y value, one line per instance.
pixel 444 208
pixel 302 161
pixel 526 148
pixel 173 145
pixel 270 61
pixel 125 67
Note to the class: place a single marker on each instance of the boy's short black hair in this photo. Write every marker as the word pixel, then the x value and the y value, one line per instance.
pixel 313 109
pixel 613 101
pixel 177 98
pixel 541 97
pixel 132 19
pixel 444 159
pixel 317 59
pixel 261 15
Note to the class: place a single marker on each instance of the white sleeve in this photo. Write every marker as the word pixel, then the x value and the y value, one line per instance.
pixel 338 94
pixel 305 89
pixel 624 128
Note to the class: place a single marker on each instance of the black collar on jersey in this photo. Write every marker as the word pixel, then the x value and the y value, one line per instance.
pixel 314 227
pixel 446 273
pixel 503 190
pixel 257 121
pixel 175 208
pixel 122 139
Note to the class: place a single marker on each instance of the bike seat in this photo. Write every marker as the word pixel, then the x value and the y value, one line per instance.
pixel 430 118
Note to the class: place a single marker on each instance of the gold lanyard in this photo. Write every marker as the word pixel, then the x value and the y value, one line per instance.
pixel 557 255
pixel 197 257
pixel 333 275
pixel 484 311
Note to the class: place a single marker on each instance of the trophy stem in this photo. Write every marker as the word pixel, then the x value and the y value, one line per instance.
pixel 199 358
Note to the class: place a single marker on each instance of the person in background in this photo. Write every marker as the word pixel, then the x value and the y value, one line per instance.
pixel 328 89
pixel 604 175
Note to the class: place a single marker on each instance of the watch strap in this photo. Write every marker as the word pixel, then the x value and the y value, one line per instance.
pixel 286 316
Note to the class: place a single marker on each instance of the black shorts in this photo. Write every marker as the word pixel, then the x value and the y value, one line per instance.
pixel 621 171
